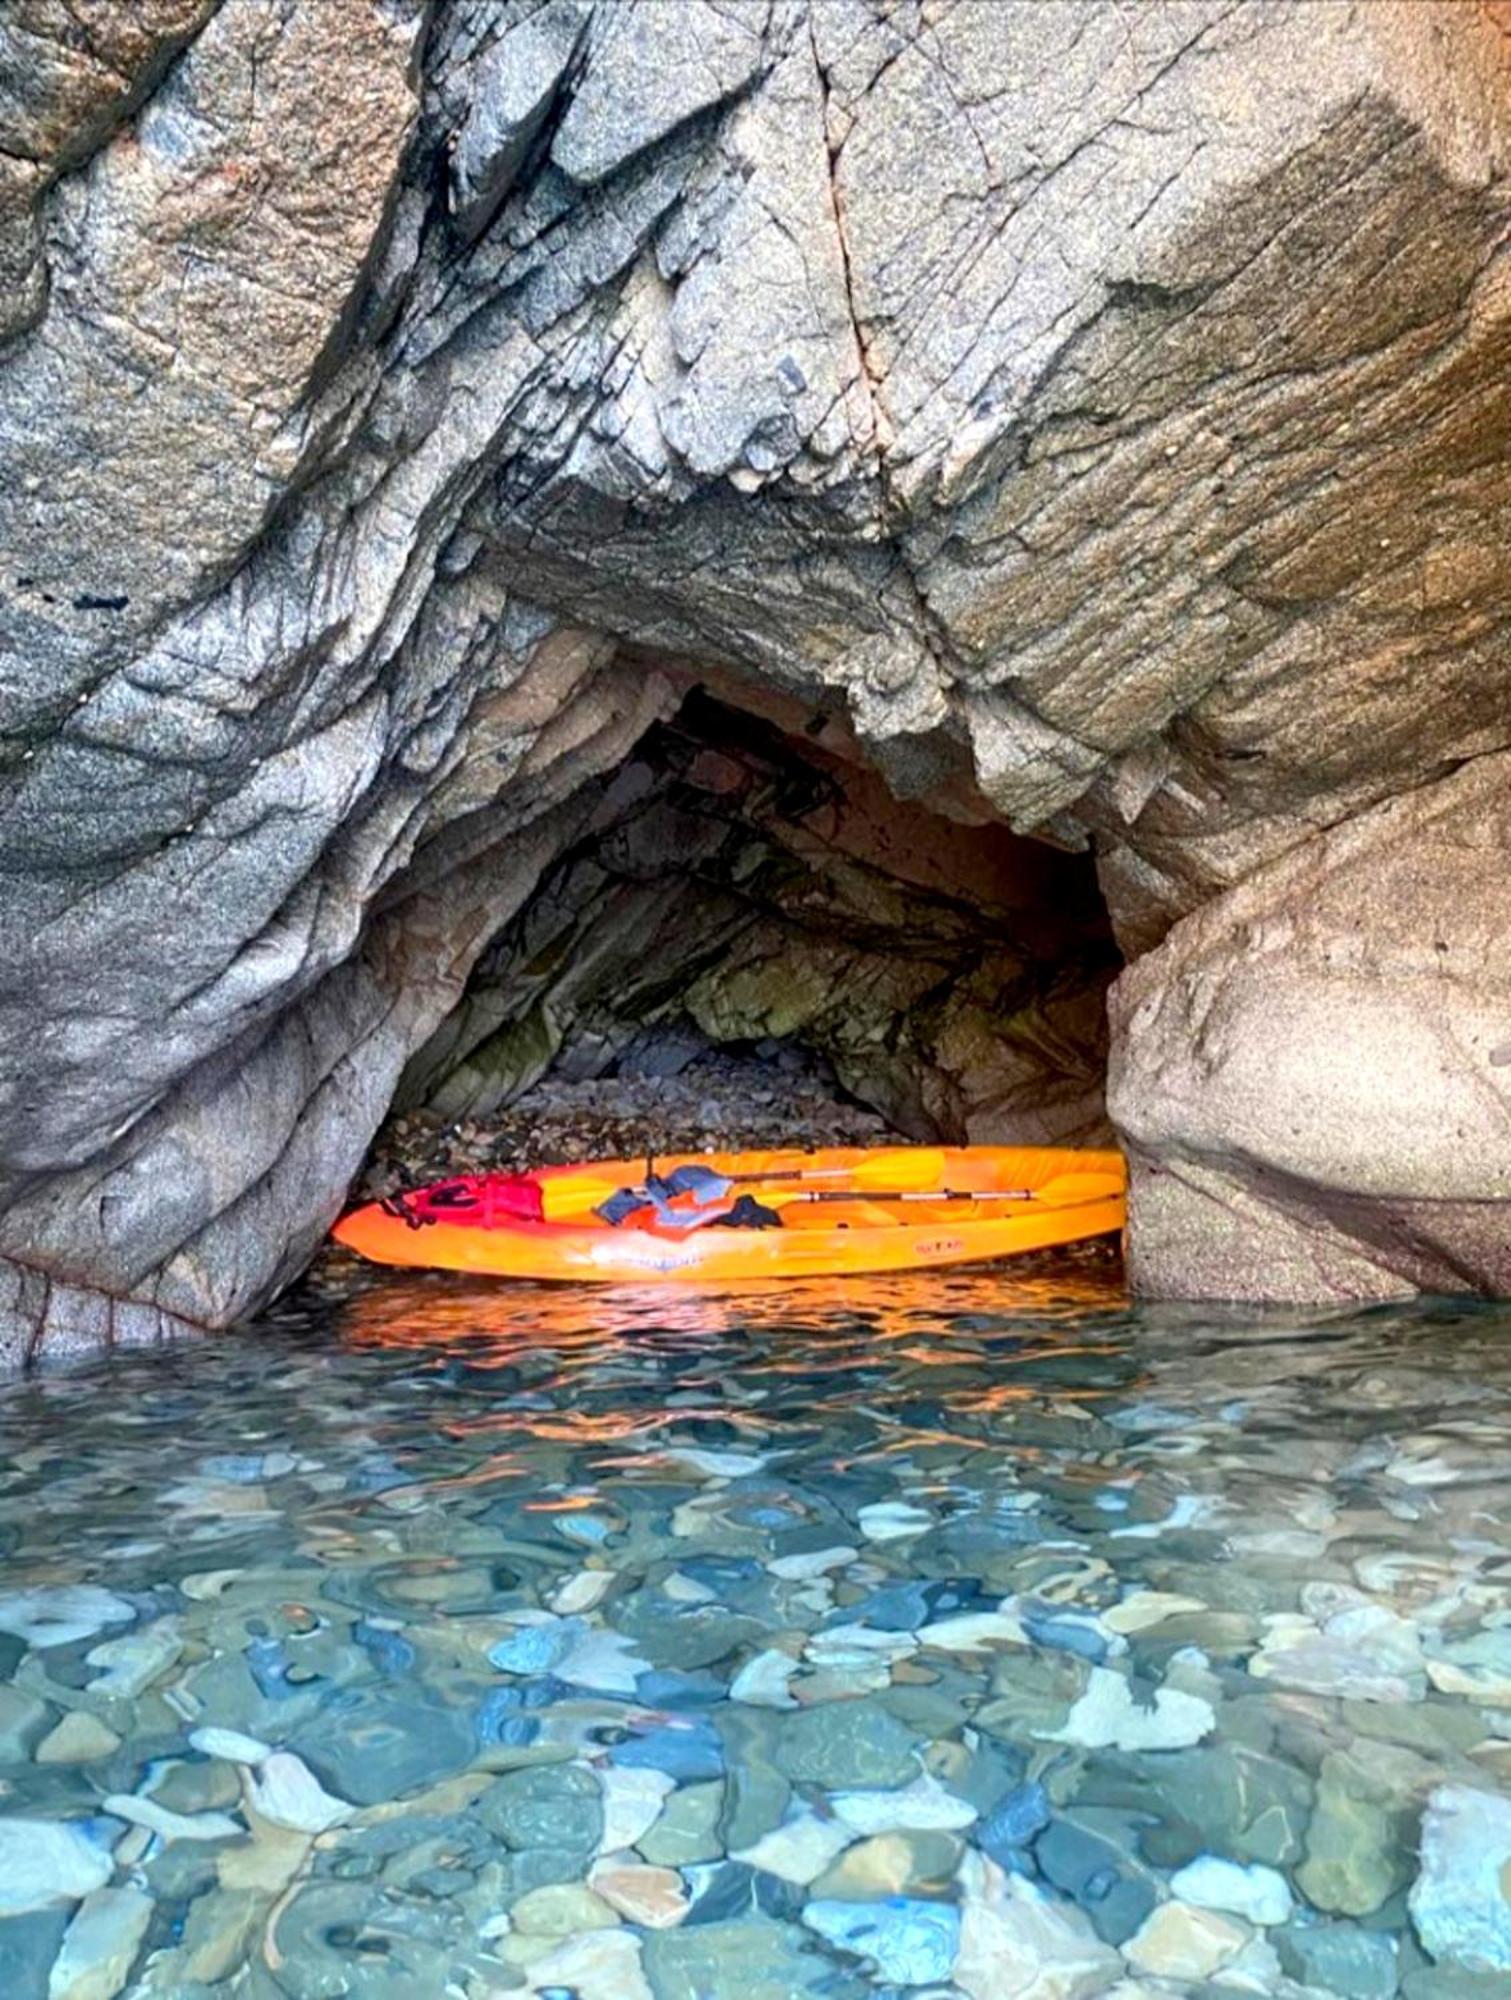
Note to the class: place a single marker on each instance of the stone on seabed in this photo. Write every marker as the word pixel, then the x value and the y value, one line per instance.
pixel 80 1738
pixel 47 1861
pixel 1107 1715
pixel 1014 1940
pixel 285 1792
pixel 1180 1941
pixel 1259 1894
pixel 1460 1901
pixel 910 1943
pixel 100 1945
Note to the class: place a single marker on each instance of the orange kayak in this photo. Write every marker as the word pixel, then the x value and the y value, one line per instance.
pixel 818 1214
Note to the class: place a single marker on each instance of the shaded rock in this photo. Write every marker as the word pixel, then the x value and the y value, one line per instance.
pixel 1355 1841
pixel 546 1806
pixel 1449 1982
pixel 191 1786
pixel 686 1829
pixel 748 1959
pixel 28 1946
pixel 851 1743
pixel 220 1933
pixel 1014 1823
pixel 367 1747
pixel 323 1936
pixel 1226 1795
pixel 1341 1958
pixel 23 1724
pixel 681 1750
pixel 1093 1858
pixel 757 1793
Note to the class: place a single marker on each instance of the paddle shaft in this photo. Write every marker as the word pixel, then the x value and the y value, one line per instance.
pixel 886 1163
pixel 908 1194
pixel 856 1172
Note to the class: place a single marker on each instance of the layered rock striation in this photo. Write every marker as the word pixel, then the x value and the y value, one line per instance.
pixel 1100 412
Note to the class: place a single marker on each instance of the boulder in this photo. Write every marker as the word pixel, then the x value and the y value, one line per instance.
pixel 1313 1072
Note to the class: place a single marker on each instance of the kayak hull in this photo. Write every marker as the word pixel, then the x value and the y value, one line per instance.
pixel 978 1204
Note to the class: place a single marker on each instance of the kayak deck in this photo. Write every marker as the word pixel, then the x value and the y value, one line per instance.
pixel 889 1208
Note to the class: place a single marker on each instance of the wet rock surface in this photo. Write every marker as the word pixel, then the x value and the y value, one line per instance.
pixel 428 1645
pixel 1093 422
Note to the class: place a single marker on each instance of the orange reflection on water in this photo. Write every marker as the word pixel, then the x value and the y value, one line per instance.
pixel 905 1313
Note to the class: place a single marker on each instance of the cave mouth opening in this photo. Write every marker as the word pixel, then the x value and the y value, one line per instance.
pixel 749 940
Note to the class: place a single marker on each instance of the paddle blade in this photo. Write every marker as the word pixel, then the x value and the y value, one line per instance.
pixel 896 1167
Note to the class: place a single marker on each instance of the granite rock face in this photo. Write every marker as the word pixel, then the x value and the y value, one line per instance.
pixel 1099 417
pixel 1313 1073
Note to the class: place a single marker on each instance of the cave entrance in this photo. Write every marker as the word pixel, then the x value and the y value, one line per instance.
pixel 751 941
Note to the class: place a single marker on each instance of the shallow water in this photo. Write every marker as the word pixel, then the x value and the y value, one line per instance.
pixel 951 1636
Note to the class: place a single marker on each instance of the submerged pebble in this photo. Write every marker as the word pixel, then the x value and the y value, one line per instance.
pixel 48 1861
pixel 61 1614
pixel 910 1943
pixel 80 1738
pixel 100 1945
pixel 1109 1716
pixel 285 1792
pixel 1461 1899
pixel 1261 1895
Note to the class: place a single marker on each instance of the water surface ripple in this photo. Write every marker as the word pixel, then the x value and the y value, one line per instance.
pixel 948 1635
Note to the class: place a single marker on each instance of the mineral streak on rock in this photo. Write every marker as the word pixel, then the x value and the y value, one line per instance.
pixel 1102 411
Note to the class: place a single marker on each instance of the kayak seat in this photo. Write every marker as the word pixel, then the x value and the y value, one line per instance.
pixel 672 1204
pixel 747 1213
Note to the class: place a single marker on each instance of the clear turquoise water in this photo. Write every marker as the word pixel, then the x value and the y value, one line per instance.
pixel 941 1637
